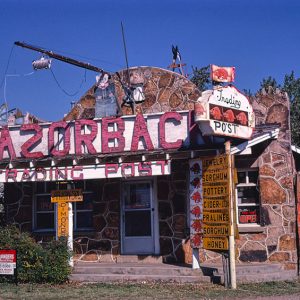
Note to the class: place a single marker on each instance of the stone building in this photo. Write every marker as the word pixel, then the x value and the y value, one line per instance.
pixel 136 201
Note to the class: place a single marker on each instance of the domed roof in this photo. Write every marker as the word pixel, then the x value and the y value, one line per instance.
pixel 162 90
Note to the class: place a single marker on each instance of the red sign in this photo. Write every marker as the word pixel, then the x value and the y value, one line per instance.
pixel 105 136
pixel 225 111
pixel 8 256
pixel 222 74
pixel 8 261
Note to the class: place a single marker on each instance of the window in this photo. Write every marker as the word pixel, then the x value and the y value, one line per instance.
pixel 44 209
pixel 45 216
pixel 248 197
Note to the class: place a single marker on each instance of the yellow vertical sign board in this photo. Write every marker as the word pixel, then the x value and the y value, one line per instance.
pixel 62 219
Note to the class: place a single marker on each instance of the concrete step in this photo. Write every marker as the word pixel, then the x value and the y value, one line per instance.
pixel 254 273
pixel 137 278
pixel 130 269
pixel 276 276
pixel 250 269
pixel 114 272
pixel 107 258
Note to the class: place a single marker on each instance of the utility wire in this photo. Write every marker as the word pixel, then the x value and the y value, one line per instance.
pixel 5 85
pixel 7 65
pixel 63 90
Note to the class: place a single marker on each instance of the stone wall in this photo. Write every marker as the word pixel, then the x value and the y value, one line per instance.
pixel 277 243
pixel 103 243
pixel 172 207
pixel 164 90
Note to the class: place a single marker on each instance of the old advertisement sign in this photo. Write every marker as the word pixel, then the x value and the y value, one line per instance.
pixel 74 195
pixel 216 218
pixel 225 111
pixel 216 243
pixel 62 219
pixel 196 203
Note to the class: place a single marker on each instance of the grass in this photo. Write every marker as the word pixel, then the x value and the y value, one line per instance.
pixel 146 291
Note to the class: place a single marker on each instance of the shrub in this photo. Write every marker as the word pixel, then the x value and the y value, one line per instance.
pixel 36 263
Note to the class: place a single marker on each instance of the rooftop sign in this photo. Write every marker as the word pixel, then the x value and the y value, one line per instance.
pixel 225 111
pixel 91 137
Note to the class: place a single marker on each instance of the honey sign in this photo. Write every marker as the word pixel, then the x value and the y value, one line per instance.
pixel 59 196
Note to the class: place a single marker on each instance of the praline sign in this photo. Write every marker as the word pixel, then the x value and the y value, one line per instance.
pixel 226 112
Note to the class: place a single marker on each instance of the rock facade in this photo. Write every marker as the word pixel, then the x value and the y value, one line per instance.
pixel 163 90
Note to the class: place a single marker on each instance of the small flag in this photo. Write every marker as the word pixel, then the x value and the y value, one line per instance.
pixel 222 74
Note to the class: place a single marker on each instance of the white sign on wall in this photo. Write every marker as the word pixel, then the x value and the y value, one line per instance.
pixel 225 111
pixel 109 170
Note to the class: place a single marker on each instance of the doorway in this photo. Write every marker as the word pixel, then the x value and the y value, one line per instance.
pixel 138 218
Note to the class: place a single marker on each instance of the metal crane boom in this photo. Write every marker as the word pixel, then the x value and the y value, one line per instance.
pixel 60 57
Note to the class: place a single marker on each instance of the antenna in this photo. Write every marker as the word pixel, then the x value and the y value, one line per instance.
pixel 128 99
pixel 125 51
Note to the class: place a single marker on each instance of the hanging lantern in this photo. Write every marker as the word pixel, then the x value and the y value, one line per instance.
pixel 42 63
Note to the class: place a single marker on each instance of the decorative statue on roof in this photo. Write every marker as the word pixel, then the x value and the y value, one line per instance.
pixel 106 102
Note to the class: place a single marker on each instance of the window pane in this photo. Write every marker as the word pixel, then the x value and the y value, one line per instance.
pixel 40 187
pixel 79 184
pixel 248 194
pixel 50 186
pixel 87 202
pixel 138 223
pixel 138 196
pixel 43 203
pixel 248 214
pixel 45 221
pixel 241 177
pixel 253 175
pixel 84 219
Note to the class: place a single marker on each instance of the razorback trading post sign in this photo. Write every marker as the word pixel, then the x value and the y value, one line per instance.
pixel 91 137
pixel 225 111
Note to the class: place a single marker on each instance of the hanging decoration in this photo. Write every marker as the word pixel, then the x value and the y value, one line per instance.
pixel 42 63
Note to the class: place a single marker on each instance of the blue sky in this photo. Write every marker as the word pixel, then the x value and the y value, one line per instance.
pixel 259 38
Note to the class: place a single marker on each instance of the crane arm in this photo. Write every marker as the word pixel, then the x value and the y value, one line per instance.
pixel 60 57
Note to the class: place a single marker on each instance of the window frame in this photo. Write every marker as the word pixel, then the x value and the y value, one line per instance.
pixel 75 210
pixel 241 205
pixel 35 211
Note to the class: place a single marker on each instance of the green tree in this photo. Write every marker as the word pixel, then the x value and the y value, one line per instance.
pixel 291 85
pixel 201 78
pixel 269 82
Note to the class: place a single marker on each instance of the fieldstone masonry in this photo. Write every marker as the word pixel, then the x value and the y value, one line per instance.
pixel 275 239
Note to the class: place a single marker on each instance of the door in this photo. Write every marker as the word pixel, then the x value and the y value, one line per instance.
pixel 137 218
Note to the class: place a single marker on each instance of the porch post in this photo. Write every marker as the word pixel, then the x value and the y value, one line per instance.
pixel 70 232
pixel 196 261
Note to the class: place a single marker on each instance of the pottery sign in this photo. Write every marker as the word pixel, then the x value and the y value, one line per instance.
pixel 225 111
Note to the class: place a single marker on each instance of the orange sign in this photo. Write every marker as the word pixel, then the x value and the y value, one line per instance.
pixel 62 219
pixel 58 196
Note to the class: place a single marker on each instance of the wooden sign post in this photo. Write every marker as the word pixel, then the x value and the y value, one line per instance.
pixel 64 213
pixel 232 267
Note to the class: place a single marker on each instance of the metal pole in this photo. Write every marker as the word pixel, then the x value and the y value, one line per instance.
pixel 232 267
pixel 65 59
